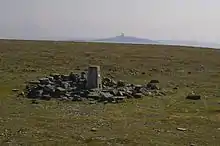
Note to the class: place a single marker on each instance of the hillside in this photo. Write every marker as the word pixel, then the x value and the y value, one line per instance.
pixel 168 120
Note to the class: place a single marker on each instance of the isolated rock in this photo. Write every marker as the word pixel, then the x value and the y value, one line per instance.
pixel 154 82
pixel 181 129
pixel 193 97
pixel 94 129
pixel 34 102
pixel 15 90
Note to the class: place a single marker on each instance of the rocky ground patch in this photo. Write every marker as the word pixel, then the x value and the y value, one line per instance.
pixel 72 87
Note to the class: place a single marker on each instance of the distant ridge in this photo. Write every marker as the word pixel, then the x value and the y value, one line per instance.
pixel 135 40
pixel 126 39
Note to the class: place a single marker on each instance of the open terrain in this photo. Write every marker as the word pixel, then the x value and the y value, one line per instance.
pixel 148 121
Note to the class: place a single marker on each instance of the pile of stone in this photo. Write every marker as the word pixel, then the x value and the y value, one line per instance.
pixel 78 87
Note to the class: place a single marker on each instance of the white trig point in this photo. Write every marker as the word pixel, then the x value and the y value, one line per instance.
pixel 94 77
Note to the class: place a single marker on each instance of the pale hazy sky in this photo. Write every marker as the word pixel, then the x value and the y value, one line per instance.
pixel 153 19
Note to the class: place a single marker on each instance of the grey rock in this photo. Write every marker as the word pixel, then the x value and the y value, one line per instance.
pixel 92 102
pixel 21 94
pixel 181 129
pixel 115 92
pixel 119 98
pixel 120 93
pixel 37 93
pixel 64 98
pixel 154 81
pixel 49 88
pixel 34 82
pixel 193 97
pixel 65 77
pixel 34 102
pixel 46 97
pixel 44 81
pixel 60 89
pixel 94 129
pixel 106 96
pixel 120 83
pixel 138 88
pixel 67 95
pixel 105 102
pixel 128 94
pixel 15 90
pixel 56 76
pixel 152 86
pixel 65 85
pixel 51 79
pixel 94 95
pixel 138 95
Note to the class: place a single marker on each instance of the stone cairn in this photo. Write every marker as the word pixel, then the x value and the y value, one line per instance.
pixel 77 87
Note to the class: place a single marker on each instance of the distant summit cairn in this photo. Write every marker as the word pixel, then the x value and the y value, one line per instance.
pixel 122 35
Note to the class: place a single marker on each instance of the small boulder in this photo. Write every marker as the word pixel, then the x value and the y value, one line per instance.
pixel 92 102
pixel 94 129
pixel 34 102
pixel 46 97
pixel 194 97
pixel 34 82
pixel 154 81
pixel 15 90
pixel 138 95
pixel 152 86
pixel 120 83
pixel 181 129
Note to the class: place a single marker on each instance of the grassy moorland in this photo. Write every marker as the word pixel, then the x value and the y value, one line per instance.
pixel 148 121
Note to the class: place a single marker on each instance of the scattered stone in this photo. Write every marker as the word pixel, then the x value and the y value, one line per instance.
pixel 21 94
pixel 120 83
pixel 92 102
pixel 152 86
pixel 46 97
pixel 193 97
pixel 15 90
pixel 175 88
pixel 44 81
pixel 105 102
pixel 34 102
pixel 138 95
pixel 34 82
pixel 154 81
pixel 181 129
pixel 94 129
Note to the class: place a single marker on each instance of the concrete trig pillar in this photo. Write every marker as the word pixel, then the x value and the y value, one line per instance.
pixel 94 77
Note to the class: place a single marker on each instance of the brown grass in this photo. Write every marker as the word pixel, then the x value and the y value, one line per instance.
pixel 148 121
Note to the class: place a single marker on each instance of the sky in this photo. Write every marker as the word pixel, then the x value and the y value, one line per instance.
pixel 197 20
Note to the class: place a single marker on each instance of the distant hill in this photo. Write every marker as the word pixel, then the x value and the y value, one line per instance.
pixel 126 39
pixel 189 43
pixel 134 40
